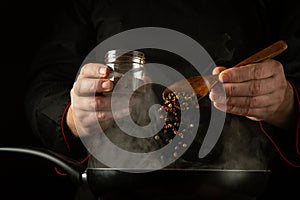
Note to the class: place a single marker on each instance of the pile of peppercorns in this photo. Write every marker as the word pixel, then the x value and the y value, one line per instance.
pixel 170 112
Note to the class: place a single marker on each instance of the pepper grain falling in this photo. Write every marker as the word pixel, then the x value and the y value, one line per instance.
pixel 170 112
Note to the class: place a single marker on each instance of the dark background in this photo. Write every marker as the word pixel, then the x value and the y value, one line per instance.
pixel 23 27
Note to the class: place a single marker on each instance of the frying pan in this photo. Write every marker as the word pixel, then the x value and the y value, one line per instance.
pixel 179 183
pixel 167 183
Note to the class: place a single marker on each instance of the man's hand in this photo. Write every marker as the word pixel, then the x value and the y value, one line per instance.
pixel 91 101
pixel 258 91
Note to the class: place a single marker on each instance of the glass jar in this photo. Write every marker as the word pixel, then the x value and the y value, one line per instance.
pixel 126 66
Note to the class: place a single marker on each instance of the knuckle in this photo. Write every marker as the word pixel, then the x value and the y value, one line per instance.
pixel 255 87
pixel 76 87
pixel 257 71
pixel 100 103
pixel 75 106
pixel 84 68
pixel 101 116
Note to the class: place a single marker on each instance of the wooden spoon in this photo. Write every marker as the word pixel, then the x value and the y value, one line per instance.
pixel 203 84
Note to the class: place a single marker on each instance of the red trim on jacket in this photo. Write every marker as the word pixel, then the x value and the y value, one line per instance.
pixel 85 159
pixel 298 122
pixel 62 125
pixel 59 172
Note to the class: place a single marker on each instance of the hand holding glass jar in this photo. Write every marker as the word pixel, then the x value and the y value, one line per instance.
pixel 118 83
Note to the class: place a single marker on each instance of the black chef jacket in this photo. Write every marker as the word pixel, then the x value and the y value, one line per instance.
pixel 228 30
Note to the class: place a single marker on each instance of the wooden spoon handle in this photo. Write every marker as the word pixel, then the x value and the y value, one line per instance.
pixel 269 52
pixel 202 84
pixel 264 54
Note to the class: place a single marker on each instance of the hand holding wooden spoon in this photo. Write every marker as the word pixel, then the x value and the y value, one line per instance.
pixel 256 88
pixel 258 91
pixel 203 84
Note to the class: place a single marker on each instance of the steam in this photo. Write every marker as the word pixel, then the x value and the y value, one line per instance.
pixel 144 111
pixel 241 145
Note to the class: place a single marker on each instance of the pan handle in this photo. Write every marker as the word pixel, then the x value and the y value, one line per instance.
pixel 71 167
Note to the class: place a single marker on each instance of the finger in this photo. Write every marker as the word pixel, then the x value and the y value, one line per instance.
pixel 218 89
pixel 106 102
pixel 94 103
pixel 250 88
pixel 102 103
pixel 256 71
pixel 251 102
pixel 89 86
pixel 87 117
pixel 218 70
pixel 258 113
pixel 104 115
pixel 121 113
pixel 92 118
pixel 108 115
pixel 94 70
